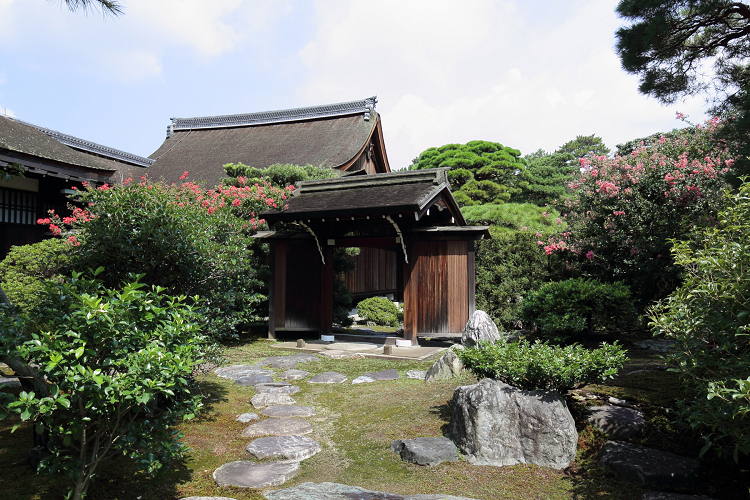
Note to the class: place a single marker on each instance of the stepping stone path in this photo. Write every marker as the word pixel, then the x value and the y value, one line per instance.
pixel 245 474
pixel 277 389
pixel 363 379
pixel 278 427
pixel 416 374
pixel 291 447
pixel 648 467
pixel 270 399
pixel 617 422
pixel 425 450
pixel 235 372
pixel 286 362
pixel 254 379
pixel 247 417
pixel 328 378
pixel 383 375
pixel 281 411
pixel 335 491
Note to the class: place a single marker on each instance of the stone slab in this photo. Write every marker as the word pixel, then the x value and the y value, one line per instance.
pixel 337 354
pixel 277 389
pixel 235 372
pixel 294 374
pixel 328 378
pixel 647 466
pixel 336 491
pixel 278 427
pixel 282 411
pixel 403 353
pixel 245 474
pixel 247 417
pixel 390 374
pixel 416 374
pixel 287 362
pixel 253 380
pixel 363 379
pixel 425 450
pixel 10 381
pixel 352 346
pixel 618 422
pixel 270 399
pixel 291 447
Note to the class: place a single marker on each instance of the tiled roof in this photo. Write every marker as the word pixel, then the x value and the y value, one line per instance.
pixel 330 136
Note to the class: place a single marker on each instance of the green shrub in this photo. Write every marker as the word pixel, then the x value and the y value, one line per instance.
pixel 577 306
pixel 25 269
pixel 543 366
pixel 518 216
pixel 708 317
pixel 279 175
pixel 507 267
pixel 112 373
pixel 379 310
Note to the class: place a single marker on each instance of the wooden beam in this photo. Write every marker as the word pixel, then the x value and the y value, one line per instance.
pixel 326 292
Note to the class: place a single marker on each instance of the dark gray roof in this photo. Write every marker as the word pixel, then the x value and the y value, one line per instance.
pixel 401 192
pixel 330 136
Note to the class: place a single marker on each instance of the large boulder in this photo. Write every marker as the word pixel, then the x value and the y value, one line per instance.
pixel 480 327
pixel 447 367
pixel 494 423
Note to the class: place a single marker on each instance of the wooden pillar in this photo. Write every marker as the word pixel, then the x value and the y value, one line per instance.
pixel 410 295
pixel 472 277
pixel 277 288
pixel 326 292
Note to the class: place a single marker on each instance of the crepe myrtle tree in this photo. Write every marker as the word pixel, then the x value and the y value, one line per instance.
pixel 109 374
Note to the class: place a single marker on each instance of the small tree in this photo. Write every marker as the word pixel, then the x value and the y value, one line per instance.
pixel 113 371
pixel 709 319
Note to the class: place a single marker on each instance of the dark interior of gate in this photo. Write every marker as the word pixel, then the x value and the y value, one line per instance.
pixel 414 244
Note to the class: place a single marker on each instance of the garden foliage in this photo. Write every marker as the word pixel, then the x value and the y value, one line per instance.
pixel 380 311
pixel 189 240
pixel 113 371
pixel 626 209
pixel 709 319
pixel 279 175
pixel 580 305
pixel 539 365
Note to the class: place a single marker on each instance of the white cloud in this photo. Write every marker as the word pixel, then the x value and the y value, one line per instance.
pixel 134 65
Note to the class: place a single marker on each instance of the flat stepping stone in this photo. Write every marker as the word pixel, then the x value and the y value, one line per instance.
pixel 351 346
pixel 363 379
pixel 617 422
pixel 645 466
pixel 291 447
pixel 10 381
pixel 328 378
pixel 425 450
pixel 245 474
pixel 294 374
pixel 277 389
pixel 335 491
pixel 247 417
pixel 286 362
pixel 416 374
pixel 254 380
pixel 336 354
pixel 278 427
pixel 271 399
pixel 383 375
pixel 281 411
pixel 235 372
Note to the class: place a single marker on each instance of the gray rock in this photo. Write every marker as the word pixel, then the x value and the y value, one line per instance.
pixel 235 372
pixel 246 474
pixel 616 421
pixel 10 382
pixel 270 399
pixel 383 375
pixel 281 411
pixel 363 379
pixel 247 417
pixel 425 450
pixel 328 378
pixel 254 379
pixel 648 467
pixel 294 374
pixel 291 447
pixel 416 374
pixel 480 327
pixel 278 427
pixel 287 362
pixel 277 389
pixel 340 354
pixel 335 491
pixel 620 402
pixel 494 423
pixel 660 495
pixel 447 367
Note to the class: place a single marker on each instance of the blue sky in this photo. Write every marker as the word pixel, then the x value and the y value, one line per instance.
pixel 528 74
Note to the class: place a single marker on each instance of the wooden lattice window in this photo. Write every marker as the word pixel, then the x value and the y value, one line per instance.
pixel 17 207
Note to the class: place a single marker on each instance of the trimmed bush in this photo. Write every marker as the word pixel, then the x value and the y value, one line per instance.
pixel 380 311
pixel 543 366
pixel 577 306
pixel 278 175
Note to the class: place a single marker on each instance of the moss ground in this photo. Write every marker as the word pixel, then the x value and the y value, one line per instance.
pixel 355 425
